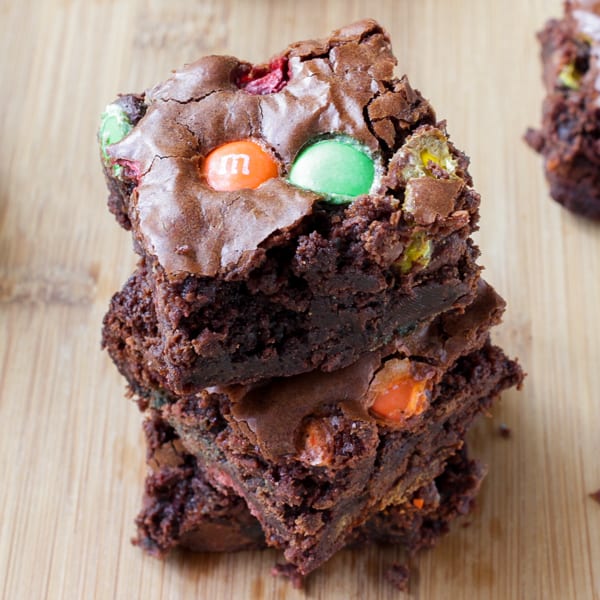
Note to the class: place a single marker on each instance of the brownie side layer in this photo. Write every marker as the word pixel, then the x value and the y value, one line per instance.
pixel 568 137
pixel 323 313
pixel 182 509
pixel 309 511
pixel 132 338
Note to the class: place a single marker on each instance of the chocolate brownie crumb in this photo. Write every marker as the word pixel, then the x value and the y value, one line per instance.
pixel 289 572
pixel 596 496
pixel 399 576
pixel 505 431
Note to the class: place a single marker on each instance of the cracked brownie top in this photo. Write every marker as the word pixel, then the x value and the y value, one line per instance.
pixel 227 159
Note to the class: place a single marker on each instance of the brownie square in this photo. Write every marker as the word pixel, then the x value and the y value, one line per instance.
pixel 281 279
pixel 570 129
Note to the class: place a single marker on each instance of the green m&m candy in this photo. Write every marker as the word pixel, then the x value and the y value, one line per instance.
pixel 114 126
pixel 338 168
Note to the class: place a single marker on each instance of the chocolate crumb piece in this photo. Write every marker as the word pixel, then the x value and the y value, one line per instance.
pixel 398 575
pixel 290 572
pixel 505 431
pixel 596 496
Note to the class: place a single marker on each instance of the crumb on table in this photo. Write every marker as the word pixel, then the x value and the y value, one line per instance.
pixel 505 431
pixel 398 575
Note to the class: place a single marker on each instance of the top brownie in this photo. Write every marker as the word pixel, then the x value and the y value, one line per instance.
pixel 290 216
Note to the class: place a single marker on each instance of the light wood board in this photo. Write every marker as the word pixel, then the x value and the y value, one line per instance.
pixel 71 451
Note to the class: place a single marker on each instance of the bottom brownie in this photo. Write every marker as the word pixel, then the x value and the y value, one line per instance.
pixel 182 508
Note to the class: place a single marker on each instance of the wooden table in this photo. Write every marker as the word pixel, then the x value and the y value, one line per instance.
pixel 71 451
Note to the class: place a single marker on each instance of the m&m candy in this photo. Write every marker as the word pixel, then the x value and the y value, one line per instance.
pixel 238 165
pixel 263 79
pixel 114 126
pixel 396 395
pixel 338 168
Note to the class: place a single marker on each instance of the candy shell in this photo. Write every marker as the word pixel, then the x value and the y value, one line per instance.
pixel 238 166
pixel 114 126
pixel 337 168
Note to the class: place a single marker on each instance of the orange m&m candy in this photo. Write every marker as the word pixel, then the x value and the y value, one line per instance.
pixel 396 394
pixel 239 165
pixel 316 443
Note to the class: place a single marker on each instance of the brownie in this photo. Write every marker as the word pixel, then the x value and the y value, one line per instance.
pixel 132 338
pixel 280 279
pixel 310 458
pixel 568 137
pixel 306 327
pixel 181 508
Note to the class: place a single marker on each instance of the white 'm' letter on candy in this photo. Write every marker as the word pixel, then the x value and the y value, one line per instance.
pixel 233 161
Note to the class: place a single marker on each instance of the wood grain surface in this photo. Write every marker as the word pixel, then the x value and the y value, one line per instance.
pixel 71 451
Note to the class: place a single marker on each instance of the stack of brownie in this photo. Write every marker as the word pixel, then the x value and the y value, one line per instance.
pixel 307 331
pixel 568 137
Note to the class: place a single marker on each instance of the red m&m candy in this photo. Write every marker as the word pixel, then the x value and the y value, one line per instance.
pixel 238 165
